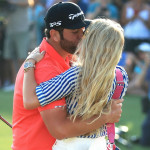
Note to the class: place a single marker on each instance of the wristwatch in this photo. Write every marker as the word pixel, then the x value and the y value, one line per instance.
pixel 28 65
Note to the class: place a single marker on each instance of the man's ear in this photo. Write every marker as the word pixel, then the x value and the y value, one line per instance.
pixel 55 35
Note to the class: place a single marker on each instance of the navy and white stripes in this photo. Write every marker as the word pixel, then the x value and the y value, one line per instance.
pixel 58 87
pixel 64 84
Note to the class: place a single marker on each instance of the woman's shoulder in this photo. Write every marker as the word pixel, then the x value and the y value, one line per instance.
pixel 124 73
pixel 74 70
pixel 122 69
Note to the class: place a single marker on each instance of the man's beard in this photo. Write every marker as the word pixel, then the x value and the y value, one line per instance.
pixel 68 46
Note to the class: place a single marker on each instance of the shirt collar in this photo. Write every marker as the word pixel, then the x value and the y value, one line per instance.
pixel 45 46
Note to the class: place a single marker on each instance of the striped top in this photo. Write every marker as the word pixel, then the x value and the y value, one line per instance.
pixel 64 85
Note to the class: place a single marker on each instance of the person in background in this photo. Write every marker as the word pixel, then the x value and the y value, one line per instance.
pixel 87 88
pixel 83 4
pixel 50 3
pixel 36 13
pixel 128 61
pixel 39 128
pixel 138 83
pixel 2 37
pixel 119 4
pixel 142 84
pixel 103 8
pixel 16 44
pixel 135 19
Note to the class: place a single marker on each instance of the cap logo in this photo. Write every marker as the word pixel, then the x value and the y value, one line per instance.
pixel 58 23
pixel 73 16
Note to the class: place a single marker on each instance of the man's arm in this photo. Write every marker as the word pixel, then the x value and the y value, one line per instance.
pixel 60 126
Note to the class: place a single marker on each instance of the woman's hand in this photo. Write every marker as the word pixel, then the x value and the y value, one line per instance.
pixel 36 55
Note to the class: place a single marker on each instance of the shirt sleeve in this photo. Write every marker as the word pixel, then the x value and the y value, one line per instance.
pixel 57 87
pixel 125 80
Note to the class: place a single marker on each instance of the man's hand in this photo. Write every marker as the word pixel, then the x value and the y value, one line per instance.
pixel 116 110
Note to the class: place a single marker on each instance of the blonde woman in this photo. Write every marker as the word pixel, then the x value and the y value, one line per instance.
pixel 88 86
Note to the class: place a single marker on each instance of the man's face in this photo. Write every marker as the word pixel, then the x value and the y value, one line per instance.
pixel 70 39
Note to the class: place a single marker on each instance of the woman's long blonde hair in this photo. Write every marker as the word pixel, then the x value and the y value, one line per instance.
pixel 99 53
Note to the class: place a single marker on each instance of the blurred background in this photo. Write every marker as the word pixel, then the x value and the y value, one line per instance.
pixel 22 29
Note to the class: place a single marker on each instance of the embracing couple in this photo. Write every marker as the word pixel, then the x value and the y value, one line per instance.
pixel 63 93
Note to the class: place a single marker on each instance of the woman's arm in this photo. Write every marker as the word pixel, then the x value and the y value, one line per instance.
pixel 49 91
pixel 57 87
pixel 30 99
pixel 29 84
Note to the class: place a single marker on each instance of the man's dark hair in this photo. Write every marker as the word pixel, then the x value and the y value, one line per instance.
pixel 59 29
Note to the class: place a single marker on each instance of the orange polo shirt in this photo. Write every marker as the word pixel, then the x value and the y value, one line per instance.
pixel 29 130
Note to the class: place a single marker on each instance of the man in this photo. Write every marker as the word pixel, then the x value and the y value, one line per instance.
pixel 15 46
pixel 37 129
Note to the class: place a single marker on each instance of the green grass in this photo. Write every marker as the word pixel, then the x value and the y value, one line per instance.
pixel 132 117
pixel 6 100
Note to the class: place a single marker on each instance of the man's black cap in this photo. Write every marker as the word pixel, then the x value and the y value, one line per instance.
pixel 66 15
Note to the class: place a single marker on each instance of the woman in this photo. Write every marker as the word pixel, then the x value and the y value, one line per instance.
pixel 88 86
